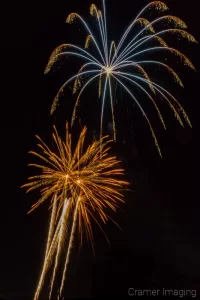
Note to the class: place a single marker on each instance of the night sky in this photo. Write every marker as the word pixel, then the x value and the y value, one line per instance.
pixel 160 244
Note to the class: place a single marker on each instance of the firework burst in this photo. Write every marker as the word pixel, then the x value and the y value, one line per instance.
pixel 111 63
pixel 81 184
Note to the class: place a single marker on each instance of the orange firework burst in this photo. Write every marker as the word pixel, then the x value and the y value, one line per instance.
pixel 81 184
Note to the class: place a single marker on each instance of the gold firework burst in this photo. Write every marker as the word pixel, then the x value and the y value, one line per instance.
pixel 81 184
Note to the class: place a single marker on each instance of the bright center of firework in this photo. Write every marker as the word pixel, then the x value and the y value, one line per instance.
pixel 67 176
pixel 108 70
pixel 78 181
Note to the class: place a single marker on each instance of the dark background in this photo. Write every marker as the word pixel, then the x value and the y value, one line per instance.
pixel 160 244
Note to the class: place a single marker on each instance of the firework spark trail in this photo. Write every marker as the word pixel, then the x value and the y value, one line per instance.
pixel 112 108
pixel 78 98
pixel 159 88
pixel 172 97
pixel 134 46
pixel 46 264
pixel 52 224
pixel 144 114
pixel 100 23
pixel 87 176
pixel 121 56
pixel 49 241
pixel 61 237
pixel 113 46
pixel 88 29
pixel 103 103
pixel 70 245
pixel 106 32
pixel 160 48
pixel 61 89
pixel 129 47
pixel 77 83
pixel 172 72
pixel 57 53
pixel 135 20
pixel 145 91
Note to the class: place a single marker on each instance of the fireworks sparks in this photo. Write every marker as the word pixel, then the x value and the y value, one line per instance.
pixel 111 63
pixel 81 184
